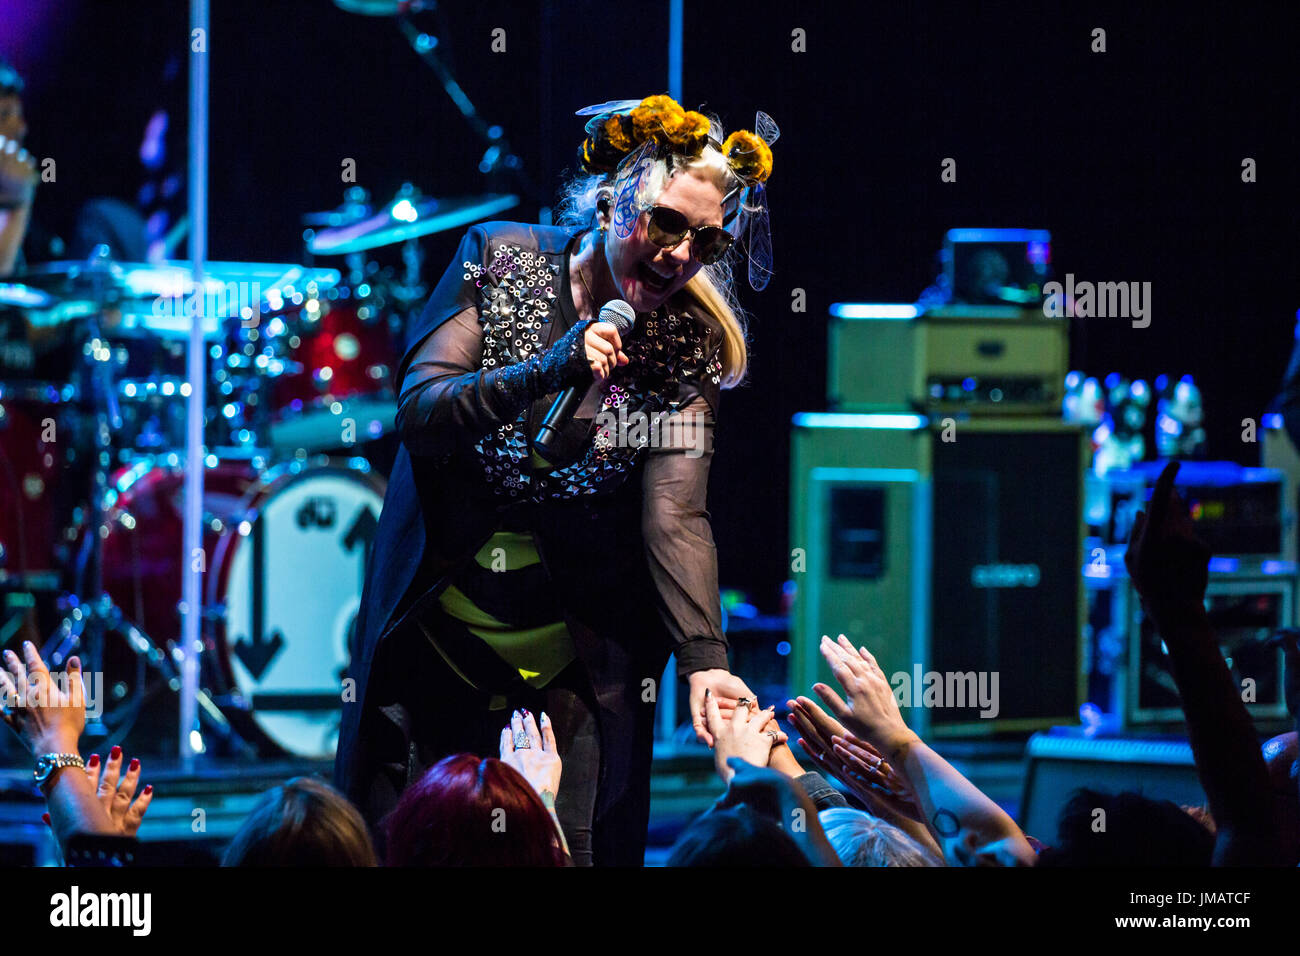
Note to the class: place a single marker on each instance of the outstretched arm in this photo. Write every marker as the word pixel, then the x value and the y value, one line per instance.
pixel 683 559
pixel 1169 568
pixel 973 830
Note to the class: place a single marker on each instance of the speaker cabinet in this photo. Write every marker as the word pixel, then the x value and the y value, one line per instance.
pixel 1244 610
pixel 1060 763
pixel 951 550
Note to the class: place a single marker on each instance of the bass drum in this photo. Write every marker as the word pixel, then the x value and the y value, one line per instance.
pixel 283 601
pixel 284 556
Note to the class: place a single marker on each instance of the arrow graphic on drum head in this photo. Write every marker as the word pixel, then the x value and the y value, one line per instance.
pixel 257 654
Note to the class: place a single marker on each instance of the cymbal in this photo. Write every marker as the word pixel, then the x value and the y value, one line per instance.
pixel 370 8
pixel 151 298
pixel 24 296
pixel 408 219
pixel 356 206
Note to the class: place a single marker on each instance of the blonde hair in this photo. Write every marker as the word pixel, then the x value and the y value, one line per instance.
pixel 712 287
pixel 859 839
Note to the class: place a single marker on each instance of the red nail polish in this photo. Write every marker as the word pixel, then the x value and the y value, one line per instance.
pixel 46 818
pixel 149 789
pixel 135 765
pixel 93 761
pixel 115 753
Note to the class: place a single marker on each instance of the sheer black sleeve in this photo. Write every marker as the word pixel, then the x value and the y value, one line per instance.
pixel 444 397
pixel 679 546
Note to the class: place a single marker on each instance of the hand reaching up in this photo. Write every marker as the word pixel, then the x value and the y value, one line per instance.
pixel 741 735
pixel 1169 565
pixel 871 711
pixel 536 756
pixel 115 791
pixel 848 758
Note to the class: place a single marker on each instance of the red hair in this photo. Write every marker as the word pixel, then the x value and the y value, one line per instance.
pixel 467 811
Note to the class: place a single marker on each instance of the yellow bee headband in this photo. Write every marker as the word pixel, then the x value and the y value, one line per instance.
pixel 629 133
pixel 620 126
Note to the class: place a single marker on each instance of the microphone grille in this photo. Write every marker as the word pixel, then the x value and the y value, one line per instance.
pixel 618 312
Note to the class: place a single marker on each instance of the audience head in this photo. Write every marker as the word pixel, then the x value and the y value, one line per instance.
pixel 1127 829
pixel 859 839
pixel 735 836
pixel 302 823
pixel 1280 755
pixel 471 811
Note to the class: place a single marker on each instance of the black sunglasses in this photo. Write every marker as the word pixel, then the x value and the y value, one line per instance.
pixel 667 228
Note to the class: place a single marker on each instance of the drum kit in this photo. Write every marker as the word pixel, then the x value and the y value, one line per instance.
pixel 93 396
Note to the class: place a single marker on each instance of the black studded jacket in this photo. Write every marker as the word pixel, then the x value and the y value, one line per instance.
pixel 620 521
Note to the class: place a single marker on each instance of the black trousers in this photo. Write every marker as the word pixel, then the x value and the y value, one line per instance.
pixel 422 711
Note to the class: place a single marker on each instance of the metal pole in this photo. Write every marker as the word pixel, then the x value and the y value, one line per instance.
pixel 666 716
pixel 193 560
pixel 675 49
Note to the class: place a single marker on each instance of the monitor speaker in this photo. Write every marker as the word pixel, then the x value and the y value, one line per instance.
pixel 951 550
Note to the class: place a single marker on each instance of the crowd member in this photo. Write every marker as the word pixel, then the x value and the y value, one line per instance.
pixel 860 839
pixel 971 829
pixel 303 822
pixel 1280 754
pixel 864 772
pixel 471 811
pixel 90 806
pixel 1169 567
pixel 1136 831
pixel 764 819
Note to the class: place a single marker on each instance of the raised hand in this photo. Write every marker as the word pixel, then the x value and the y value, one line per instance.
pixel 116 791
pixel 854 762
pixel 539 759
pixel 1168 563
pixel 871 710
pixel 742 735
pixel 724 686
pixel 48 718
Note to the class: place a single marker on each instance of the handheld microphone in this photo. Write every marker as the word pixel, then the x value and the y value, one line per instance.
pixel 622 317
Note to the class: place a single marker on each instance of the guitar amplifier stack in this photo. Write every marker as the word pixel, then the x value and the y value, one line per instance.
pixel 989 359
pixel 936 515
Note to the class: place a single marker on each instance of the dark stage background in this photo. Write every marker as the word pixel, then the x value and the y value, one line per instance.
pixel 1132 158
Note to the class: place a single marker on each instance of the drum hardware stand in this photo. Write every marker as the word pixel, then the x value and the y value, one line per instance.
pixel 88 619
pixel 498 159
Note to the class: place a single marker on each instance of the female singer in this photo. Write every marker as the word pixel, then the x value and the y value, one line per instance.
pixel 503 581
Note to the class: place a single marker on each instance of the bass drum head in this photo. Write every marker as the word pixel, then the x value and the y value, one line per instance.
pixel 291 575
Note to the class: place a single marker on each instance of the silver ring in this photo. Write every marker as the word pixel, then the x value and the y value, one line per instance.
pixel 521 740
pixel 745 702
pixel 773 734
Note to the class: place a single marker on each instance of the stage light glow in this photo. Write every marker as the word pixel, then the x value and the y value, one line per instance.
pixel 404 211
pixel 873 310
pixel 867 420
pixel 1000 235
